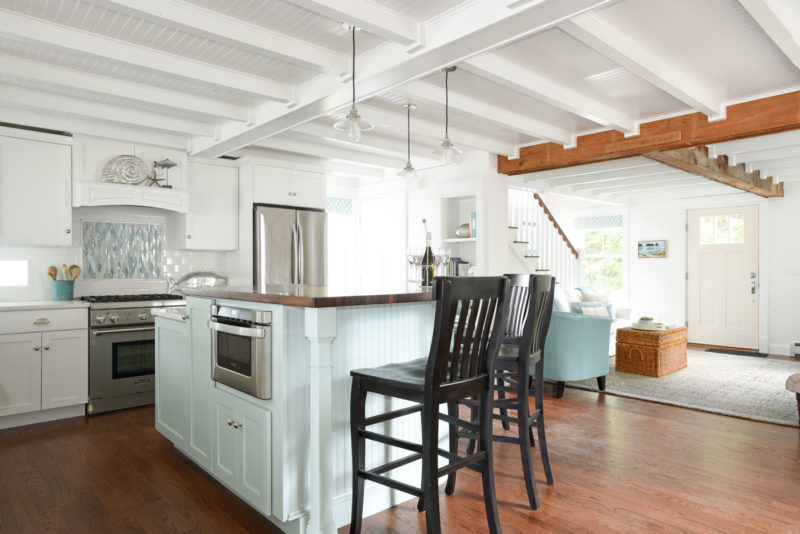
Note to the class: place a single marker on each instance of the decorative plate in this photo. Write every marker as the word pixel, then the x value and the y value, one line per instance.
pixel 125 170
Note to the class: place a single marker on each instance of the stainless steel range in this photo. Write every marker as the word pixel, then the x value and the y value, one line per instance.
pixel 122 349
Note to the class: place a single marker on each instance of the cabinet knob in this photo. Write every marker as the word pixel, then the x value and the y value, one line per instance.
pixel 46 347
pixel 67 231
pixel 237 425
pixel 188 236
pixel 36 348
pixel 230 422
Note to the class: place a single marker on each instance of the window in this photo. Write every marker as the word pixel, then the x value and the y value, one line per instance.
pixel 13 273
pixel 722 229
pixel 602 251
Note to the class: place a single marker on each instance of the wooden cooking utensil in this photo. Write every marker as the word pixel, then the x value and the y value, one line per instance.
pixel 64 268
pixel 52 272
pixel 74 272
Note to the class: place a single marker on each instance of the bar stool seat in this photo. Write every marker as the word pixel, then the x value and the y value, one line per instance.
pixel 466 338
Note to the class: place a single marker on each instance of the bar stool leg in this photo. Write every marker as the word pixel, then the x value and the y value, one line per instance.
pixel 501 394
pixel 358 398
pixel 487 471
pixel 548 471
pixel 430 466
pixel 524 431
pixel 452 411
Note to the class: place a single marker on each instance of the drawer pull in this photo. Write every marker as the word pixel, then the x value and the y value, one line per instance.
pixel 41 321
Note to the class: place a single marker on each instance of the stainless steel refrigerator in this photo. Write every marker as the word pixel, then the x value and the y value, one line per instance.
pixel 290 245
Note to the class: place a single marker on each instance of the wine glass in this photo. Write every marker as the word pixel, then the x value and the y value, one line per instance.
pixel 437 260
pixel 419 254
pixel 411 257
pixel 445 252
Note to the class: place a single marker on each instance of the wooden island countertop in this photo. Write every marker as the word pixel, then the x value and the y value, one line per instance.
pixel 304 296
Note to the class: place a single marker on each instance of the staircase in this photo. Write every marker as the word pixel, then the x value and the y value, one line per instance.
pixel 537 242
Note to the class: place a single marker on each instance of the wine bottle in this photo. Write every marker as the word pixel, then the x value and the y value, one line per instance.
pixel 427 258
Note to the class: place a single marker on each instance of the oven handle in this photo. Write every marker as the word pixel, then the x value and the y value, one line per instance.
pixel 237 330
pixel 122 330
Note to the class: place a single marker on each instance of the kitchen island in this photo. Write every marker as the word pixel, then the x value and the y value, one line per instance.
pixel 293 459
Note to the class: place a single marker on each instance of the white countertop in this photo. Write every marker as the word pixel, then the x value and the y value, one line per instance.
pixel 42 304
pixel 172 313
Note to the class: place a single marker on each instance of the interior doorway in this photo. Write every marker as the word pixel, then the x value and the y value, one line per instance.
pixel 722 269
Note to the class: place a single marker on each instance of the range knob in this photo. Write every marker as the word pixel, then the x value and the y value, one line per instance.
pixel 142 316
pixel 114 318
pixel 100 319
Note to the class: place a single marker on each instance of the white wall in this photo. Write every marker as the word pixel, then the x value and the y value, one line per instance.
pixel 175 262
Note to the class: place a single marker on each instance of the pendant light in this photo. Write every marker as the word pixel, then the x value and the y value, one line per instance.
pixel 353 124
pixel 447 151
pixel 408 171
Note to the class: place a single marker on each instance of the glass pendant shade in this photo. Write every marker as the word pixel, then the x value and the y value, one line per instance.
pixel 353 124
pixel 408 172
pixel 448 152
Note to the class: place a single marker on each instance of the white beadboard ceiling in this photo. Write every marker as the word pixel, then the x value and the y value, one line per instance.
pixel 218 76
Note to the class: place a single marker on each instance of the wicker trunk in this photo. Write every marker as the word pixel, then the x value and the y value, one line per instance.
pixel 652 353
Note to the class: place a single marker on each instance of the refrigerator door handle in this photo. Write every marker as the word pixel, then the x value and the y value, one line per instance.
pixel 300 254
pixel 295 253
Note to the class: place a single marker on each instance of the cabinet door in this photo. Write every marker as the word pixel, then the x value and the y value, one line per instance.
pixel 212 221
pixel 200 415
pixel 35 193
pixel 226 451
pixel 308 189
pixel 172 380
pixel 256 454
pixel 65 368
pixel 272 185
pixel 20 373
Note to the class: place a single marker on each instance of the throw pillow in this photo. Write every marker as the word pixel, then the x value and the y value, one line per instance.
pixel 581 307
pixel 598 312
pixel 560 302
pixel 594 296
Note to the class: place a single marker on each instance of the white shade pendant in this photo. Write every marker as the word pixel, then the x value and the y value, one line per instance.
pixel 408 171
pixel 447 151
pixel 352 123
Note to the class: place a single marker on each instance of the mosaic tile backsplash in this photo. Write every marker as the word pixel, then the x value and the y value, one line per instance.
pixel 122 250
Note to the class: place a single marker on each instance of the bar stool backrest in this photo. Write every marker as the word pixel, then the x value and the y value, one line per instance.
pixel 470 312
pixel 530 310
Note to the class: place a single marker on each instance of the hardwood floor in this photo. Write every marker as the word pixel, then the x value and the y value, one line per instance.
pixel 621 465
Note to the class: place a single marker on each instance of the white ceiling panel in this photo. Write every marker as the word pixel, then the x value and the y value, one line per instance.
pixel 419 9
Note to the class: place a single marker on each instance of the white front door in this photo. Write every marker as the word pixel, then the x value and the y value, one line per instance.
pixel 722 289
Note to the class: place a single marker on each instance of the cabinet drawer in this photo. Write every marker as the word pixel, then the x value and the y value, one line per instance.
pixel 42 320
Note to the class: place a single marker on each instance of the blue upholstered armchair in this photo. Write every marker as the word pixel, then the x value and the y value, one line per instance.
pixel 576 349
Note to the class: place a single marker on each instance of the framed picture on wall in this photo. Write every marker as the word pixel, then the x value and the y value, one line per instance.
pixel 653 248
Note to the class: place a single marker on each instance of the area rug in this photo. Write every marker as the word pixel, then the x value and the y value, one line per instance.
pixel 752 388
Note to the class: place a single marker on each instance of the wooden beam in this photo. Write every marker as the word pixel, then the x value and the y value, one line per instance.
pixel 696 161
pixel 749 119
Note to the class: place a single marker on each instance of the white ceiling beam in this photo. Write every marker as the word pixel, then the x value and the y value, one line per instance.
pixel 368 16
pixel 666 176
pixel 40 100
pixel 374 143
pixel 24 28
pixel 42 72
pixel 760 155
pixel 780 20
pixel 524 81
pixel 765 142
pixel 312 148
pixel 645 186
pixel 698 190
pixel 218 26
pixel 51 121
pixel 474 30
pixel 396 122
pixel 657 172
pixel 598 33
pixel 330 167
pixel 611 167
pixel 503 117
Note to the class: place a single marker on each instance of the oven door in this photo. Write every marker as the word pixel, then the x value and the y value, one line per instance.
pixel 121 361
pixel 241 357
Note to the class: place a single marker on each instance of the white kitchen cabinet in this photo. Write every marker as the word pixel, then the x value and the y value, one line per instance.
pixel 173 361
pixel 65 368
pixel 20 373
pixel 288 187
pixel 242 448
pixel 35 191
pixel 44 360
pixel 212 220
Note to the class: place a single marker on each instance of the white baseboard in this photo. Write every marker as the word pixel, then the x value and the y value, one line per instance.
pixel 31 418
pixel 780 349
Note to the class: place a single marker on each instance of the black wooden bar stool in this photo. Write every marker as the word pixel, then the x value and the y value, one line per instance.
pixel 522 356
pixel 466 339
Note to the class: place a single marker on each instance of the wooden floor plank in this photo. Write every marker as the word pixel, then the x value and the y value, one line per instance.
pixel 621 465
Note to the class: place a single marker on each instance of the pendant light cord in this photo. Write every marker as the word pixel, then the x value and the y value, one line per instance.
pixel 408 115
pixel 446 103
pixel 354 65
